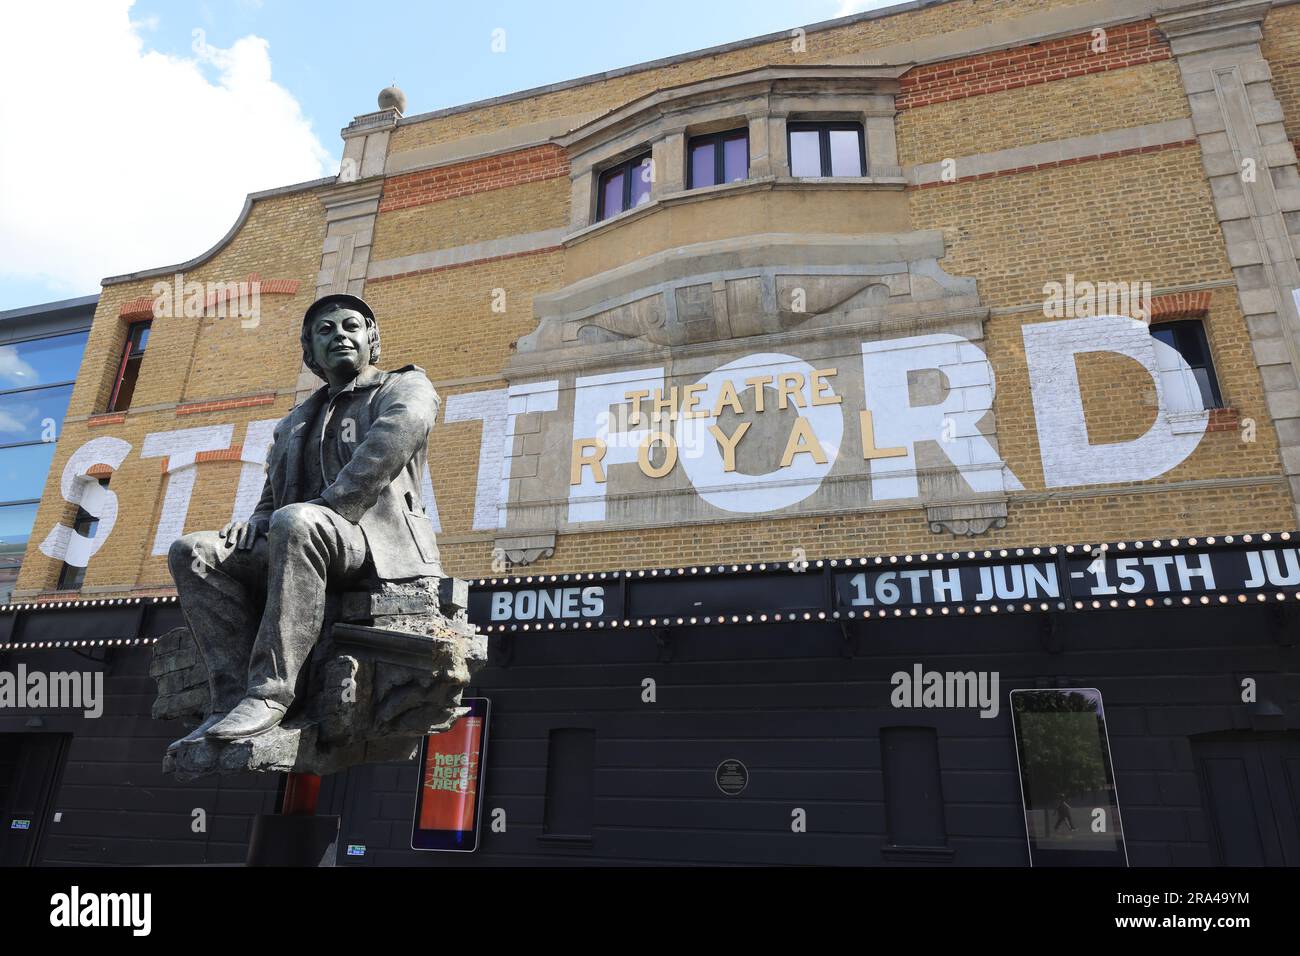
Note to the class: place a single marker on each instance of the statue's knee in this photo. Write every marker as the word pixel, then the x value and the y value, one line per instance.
pixel 294 520
pixel 183 551
pixel 192 554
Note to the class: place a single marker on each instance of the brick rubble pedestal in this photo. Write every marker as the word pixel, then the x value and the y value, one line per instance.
pixel 390 668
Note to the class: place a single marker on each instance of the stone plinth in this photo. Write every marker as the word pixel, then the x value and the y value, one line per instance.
pixel 390 668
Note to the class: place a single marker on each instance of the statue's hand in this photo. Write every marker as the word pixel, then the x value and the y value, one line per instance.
pixel 244 533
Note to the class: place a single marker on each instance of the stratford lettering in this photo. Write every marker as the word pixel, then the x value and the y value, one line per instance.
pixel 662 430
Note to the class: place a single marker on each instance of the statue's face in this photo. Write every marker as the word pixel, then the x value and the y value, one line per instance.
pixel 340 343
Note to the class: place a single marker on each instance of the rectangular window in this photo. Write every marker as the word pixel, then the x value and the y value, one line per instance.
pixel 71 577
pixel 570 783
pixel 718 158
pixel 827 149
pixel 128 370
pixel 1188 339
pixel 623 187
pixel 909 761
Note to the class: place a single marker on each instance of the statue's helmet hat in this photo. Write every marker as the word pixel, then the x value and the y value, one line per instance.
pixel 341 300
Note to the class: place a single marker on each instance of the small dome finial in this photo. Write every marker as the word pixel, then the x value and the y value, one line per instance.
pixel 390 97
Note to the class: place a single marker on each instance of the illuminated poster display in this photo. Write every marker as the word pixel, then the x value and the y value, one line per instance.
pixel 1072 815
pixel 448 799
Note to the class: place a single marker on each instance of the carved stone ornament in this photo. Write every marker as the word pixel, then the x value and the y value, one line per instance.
pixel 523 551
pixel 967 520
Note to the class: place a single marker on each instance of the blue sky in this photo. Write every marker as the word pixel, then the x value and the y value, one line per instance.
pixel 171 111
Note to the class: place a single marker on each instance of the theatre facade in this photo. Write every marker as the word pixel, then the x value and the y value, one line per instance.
pixel 876 443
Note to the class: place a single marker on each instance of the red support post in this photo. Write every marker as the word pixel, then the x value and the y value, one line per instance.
pixel 301 791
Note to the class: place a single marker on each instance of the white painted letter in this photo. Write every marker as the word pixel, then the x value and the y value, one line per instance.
pixel 62 543
pixel 969 380
pixel 180 447
pixel 1069 459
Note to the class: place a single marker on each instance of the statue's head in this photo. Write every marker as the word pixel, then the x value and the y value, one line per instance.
pixel 339 336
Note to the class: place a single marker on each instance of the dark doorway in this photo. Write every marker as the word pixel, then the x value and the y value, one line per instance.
pixel 30 767
pixel 1250 783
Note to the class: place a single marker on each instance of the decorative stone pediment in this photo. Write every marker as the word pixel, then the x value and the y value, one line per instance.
pixel 735 289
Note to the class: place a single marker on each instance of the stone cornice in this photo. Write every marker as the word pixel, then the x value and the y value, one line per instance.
pixel 343 194
pixel 370 122
pixel 1201 15
pixel 1213 24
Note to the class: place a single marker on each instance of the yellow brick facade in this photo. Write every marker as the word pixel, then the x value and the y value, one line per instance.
pixel 1143 218
pixel 444 321
pixel 1078 106
pixel 465 220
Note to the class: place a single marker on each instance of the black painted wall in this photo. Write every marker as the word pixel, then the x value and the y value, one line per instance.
pixel 116 806
pixel 801 705
pixel 804 708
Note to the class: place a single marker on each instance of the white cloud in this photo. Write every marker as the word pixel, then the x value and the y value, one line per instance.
pixel 119 158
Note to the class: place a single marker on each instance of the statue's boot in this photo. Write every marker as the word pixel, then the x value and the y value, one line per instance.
pixel 198 732
pixel 251 716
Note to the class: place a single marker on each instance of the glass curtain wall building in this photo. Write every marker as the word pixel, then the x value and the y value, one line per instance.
pixel 40 352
